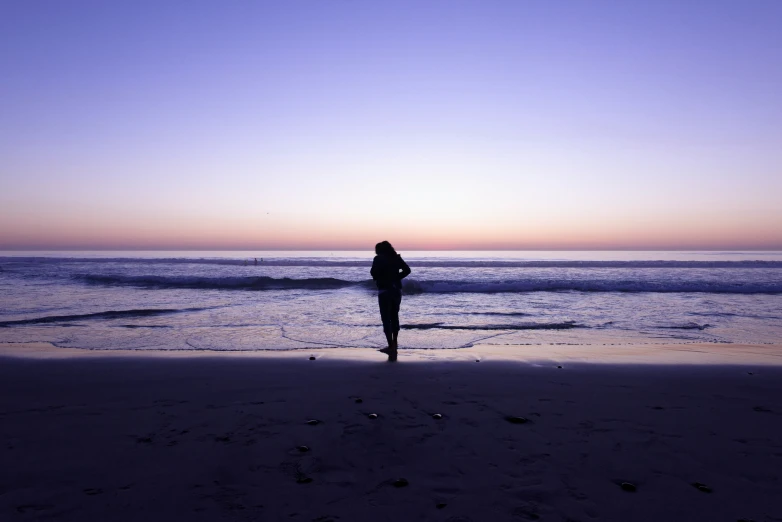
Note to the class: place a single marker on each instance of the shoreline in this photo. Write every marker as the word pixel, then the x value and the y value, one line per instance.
pixel 690 353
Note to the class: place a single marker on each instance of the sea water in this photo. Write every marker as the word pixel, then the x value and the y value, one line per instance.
pixel 292 300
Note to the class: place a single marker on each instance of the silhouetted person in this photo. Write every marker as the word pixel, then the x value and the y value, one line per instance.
pixel 388 270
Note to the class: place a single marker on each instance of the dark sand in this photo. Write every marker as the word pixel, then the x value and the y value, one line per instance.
pixel 217 438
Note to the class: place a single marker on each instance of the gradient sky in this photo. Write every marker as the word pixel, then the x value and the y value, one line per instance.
pixel 433 124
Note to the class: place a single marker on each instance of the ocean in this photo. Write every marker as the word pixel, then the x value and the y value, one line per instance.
pixel 224 301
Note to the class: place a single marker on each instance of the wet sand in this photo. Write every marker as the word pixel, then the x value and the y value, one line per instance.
pixel 117 436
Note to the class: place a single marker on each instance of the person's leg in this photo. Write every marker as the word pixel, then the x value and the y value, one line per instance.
pixel 397 302
pixel 385 315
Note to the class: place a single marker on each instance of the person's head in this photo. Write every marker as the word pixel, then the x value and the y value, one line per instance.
pixel 384 248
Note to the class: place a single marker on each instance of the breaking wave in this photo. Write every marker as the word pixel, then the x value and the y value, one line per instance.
pixel 220 283
pixel 593 285
pixel 109 314
pixel 411 286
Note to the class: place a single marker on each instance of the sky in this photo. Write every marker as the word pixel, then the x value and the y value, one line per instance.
pixel 334 124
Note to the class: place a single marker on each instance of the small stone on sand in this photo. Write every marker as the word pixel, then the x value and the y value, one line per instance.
pixel 516 420
pixel 401 483
pixel 627 486
pixel 372 415
pixel 303 449
pixel 559 366
pixel 701 487
pixel 441 505
pixel 303 480
pixel 313 422
pixel 312 357
pixel 437 416
pixel 359 401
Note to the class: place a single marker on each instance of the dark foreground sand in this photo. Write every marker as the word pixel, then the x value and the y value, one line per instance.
pixel 105 438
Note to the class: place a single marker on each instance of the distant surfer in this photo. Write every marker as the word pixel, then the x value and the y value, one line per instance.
pixel 388 270
pixel 256 261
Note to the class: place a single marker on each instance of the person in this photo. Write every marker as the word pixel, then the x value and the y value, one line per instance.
pixel 388 270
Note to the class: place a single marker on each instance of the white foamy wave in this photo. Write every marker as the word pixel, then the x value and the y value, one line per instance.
pixel 218 283
pixel 412 286
pixel 721 287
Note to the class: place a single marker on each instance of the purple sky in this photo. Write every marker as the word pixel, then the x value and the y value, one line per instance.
pixel 333 124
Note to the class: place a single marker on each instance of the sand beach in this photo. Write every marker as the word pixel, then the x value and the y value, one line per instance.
pixel 678 432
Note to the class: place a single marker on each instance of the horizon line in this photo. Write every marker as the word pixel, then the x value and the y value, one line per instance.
pixel 113 249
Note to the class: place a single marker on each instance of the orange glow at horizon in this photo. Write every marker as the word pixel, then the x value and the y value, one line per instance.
pixel 344 233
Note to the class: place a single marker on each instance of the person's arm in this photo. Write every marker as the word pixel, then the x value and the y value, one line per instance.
pixel 374 270
pixel 405 269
